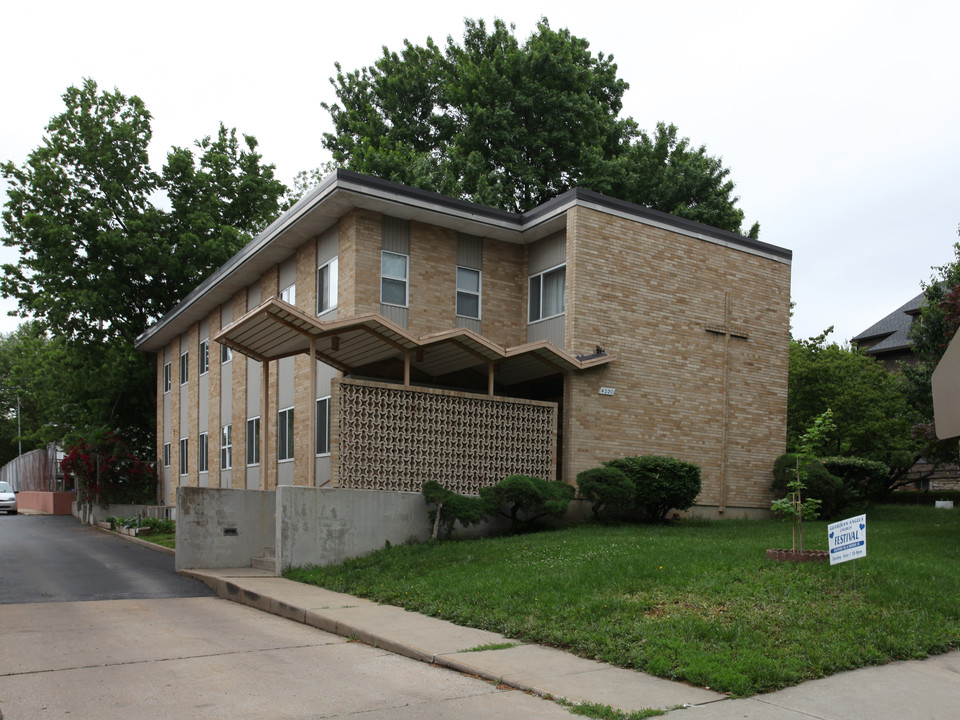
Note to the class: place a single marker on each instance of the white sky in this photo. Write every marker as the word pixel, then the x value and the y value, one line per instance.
pixel 838 119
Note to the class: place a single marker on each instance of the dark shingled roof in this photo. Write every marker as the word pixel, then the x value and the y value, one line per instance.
pixel 894 328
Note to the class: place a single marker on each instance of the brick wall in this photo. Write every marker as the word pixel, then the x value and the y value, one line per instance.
pixel 647 295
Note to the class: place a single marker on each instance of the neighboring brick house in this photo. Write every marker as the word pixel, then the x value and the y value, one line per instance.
pixel 458 342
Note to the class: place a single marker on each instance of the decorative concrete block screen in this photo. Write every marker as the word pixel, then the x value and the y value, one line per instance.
pixel 396 438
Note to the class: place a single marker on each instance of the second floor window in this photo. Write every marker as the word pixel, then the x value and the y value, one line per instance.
pixel 393 278
pixel 204 356
pixel 183 368
pixel 226 354
pixel 166 377
pixel 468 292
pixel 327 286
pixel 289 294
pixel 547 293
pixel 166 454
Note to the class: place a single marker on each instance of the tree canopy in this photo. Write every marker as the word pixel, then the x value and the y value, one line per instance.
pixel 107 245
pixel 871 414
pixel 100 258
pixel 512 125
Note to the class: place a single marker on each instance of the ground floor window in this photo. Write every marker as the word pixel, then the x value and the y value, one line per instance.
pixel 323 426
pixel 253 441
pixel 202 453
pixel 226 447
pixel 285 435
pixel 183 456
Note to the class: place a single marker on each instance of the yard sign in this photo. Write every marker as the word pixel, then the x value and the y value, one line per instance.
pixel 847 539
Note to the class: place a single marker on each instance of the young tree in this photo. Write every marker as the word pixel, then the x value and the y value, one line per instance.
pixel 512 125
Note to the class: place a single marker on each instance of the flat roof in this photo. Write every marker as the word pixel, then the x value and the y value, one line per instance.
pixel 344 190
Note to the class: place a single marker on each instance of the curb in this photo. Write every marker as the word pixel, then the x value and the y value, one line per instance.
pixel 138 541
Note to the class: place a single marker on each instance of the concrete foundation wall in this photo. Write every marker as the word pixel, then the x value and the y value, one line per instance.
pixel 220 528
pixel 324 526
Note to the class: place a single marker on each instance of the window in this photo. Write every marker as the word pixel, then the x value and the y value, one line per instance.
pixel 289 294
pixel 393 278
pixel 323 426
pixel 183 368
pixel 226 447
pixel 253 441
pixel 166 377
pixel 285 435
pixel 226 354
pixel 327 277
pixel 468 292
pixel 166 454
pixel 204 356
pixel 202 453
pixel 547 293
pixel 183 456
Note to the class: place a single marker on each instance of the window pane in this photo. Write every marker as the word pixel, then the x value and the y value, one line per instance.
pixel 468 305
pixel 468 279
pixel 554 292
pixel 327 277
pixel 393 292
pixel 253 441
pixel 323 426
pixel 534 298
pixel 393 265
pixel 226 354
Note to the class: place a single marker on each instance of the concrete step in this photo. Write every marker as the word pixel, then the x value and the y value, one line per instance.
pixel 266 560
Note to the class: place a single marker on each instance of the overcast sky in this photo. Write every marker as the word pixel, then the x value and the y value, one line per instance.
pixel 838 120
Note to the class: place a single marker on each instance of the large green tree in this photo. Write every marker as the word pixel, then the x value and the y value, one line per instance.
pixel 872 416
pixel 512 124
pixel 107 245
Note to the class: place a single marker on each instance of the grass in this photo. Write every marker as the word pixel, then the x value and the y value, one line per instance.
pixel 695 601
pixel 168 540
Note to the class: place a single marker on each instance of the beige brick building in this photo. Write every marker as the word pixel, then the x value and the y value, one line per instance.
pixel 376 336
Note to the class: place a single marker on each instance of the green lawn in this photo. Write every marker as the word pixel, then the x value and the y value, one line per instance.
pixel 696 600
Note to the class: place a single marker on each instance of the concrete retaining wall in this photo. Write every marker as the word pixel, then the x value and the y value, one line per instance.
pixel 220 528
pixel 324 526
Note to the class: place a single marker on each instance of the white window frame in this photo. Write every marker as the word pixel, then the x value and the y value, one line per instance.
pixel 204 356
pixel 226 447
pixel 166 454
pixel 323 449
pixel 539 279
pixel 184 367
pixel 285 435
pixel 332 284
pixel 167 377
pixel 253 443
pixel 184 449
pixel 392 278
pixel 226 354
pixel 203 458
pixel 289 294
pixel 478 293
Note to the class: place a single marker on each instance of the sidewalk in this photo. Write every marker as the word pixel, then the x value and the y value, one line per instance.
pixel 927 689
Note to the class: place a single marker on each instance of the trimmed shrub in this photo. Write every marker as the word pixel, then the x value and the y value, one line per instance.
pixel 525 499
pixel 820 484
pixel 453 507
pixel 660 484
pixel 863 480
pixel 609 490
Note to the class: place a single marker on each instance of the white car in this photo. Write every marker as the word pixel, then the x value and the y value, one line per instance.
pixel 8 501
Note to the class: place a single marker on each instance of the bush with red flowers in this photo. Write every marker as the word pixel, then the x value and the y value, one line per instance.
pixel 105 472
